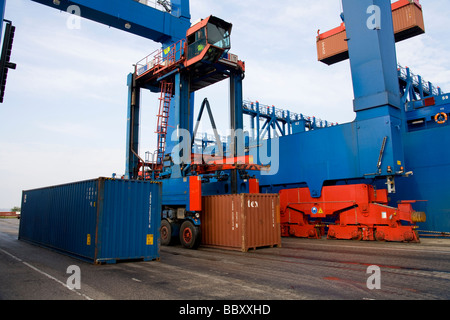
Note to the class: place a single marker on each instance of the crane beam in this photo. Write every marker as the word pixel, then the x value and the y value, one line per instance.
pixel 131 16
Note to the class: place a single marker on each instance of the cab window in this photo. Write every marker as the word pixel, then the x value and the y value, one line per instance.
pixel 196 43
pixel 218 36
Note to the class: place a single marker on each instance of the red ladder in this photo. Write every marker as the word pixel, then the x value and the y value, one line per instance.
pixel 163 119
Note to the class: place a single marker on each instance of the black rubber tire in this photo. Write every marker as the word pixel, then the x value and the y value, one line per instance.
pixel 190 236
pixel 166 233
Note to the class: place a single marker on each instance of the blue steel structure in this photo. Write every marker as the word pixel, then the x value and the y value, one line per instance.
pixel 133 17
pixel 2 13
pixel 398 138
pixel 167 27
pixel 427 110
pixel 395 131
pixel 177 72
pixel 278 122
pixel 161 26
pixel 351 151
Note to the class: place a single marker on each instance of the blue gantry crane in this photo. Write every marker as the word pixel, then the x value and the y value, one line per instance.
pixel 395 146
pixel 191 58
pixel 350 151
pixel 133 16
pixel 199 60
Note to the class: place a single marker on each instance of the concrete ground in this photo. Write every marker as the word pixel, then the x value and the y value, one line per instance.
pixel 301 269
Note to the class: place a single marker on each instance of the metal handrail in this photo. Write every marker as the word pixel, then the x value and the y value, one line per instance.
pixel 417 81
pixel 281 114
pixel 161 58
pixel 158 4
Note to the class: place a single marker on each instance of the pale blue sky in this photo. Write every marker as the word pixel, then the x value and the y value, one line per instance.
pixel 64 115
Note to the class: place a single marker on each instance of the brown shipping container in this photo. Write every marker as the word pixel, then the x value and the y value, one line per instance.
pixel 241 222
pixel 9 215
pixel 332 48
pixel 408 21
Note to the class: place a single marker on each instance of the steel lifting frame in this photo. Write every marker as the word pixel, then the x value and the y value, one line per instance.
pixel 158 68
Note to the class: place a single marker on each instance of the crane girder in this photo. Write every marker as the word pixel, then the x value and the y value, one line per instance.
pixel 132 16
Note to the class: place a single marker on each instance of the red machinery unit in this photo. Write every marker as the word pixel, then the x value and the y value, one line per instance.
pixel 195 193
pixel 358 212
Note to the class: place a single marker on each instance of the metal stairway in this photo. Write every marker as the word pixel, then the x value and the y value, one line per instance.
pixel 163 118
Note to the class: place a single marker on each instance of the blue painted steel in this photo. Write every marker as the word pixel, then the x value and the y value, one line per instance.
pixel 278 122
pixel 347 153
pixel 101 220
pixel 414 87
pixel 236 101
pixel 419 116
pixel 311 158
pixel 132 139
pixel 429 159
pixel 133 17
pixel 373 59
pixel 2 14
pixel 175 191
pixel 426 156
pixel 181 113
pixel 351 151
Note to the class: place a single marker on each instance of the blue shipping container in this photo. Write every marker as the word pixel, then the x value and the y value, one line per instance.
pixel 101 221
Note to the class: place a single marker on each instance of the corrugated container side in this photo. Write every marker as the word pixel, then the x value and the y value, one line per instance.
pixel 408 22
pixel 262 220
pixel 102 220
pixel 8 214
pixel 215 226
pixel 241 222
pixel 333 48
pixel 60 217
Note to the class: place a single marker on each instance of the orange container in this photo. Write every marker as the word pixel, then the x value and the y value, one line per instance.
pixel 8 215
pixel 331 46
pixel 408 19
pixel 408 22
pixel 241 222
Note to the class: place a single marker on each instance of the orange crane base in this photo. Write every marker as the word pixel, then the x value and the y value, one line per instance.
pixel 357 212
